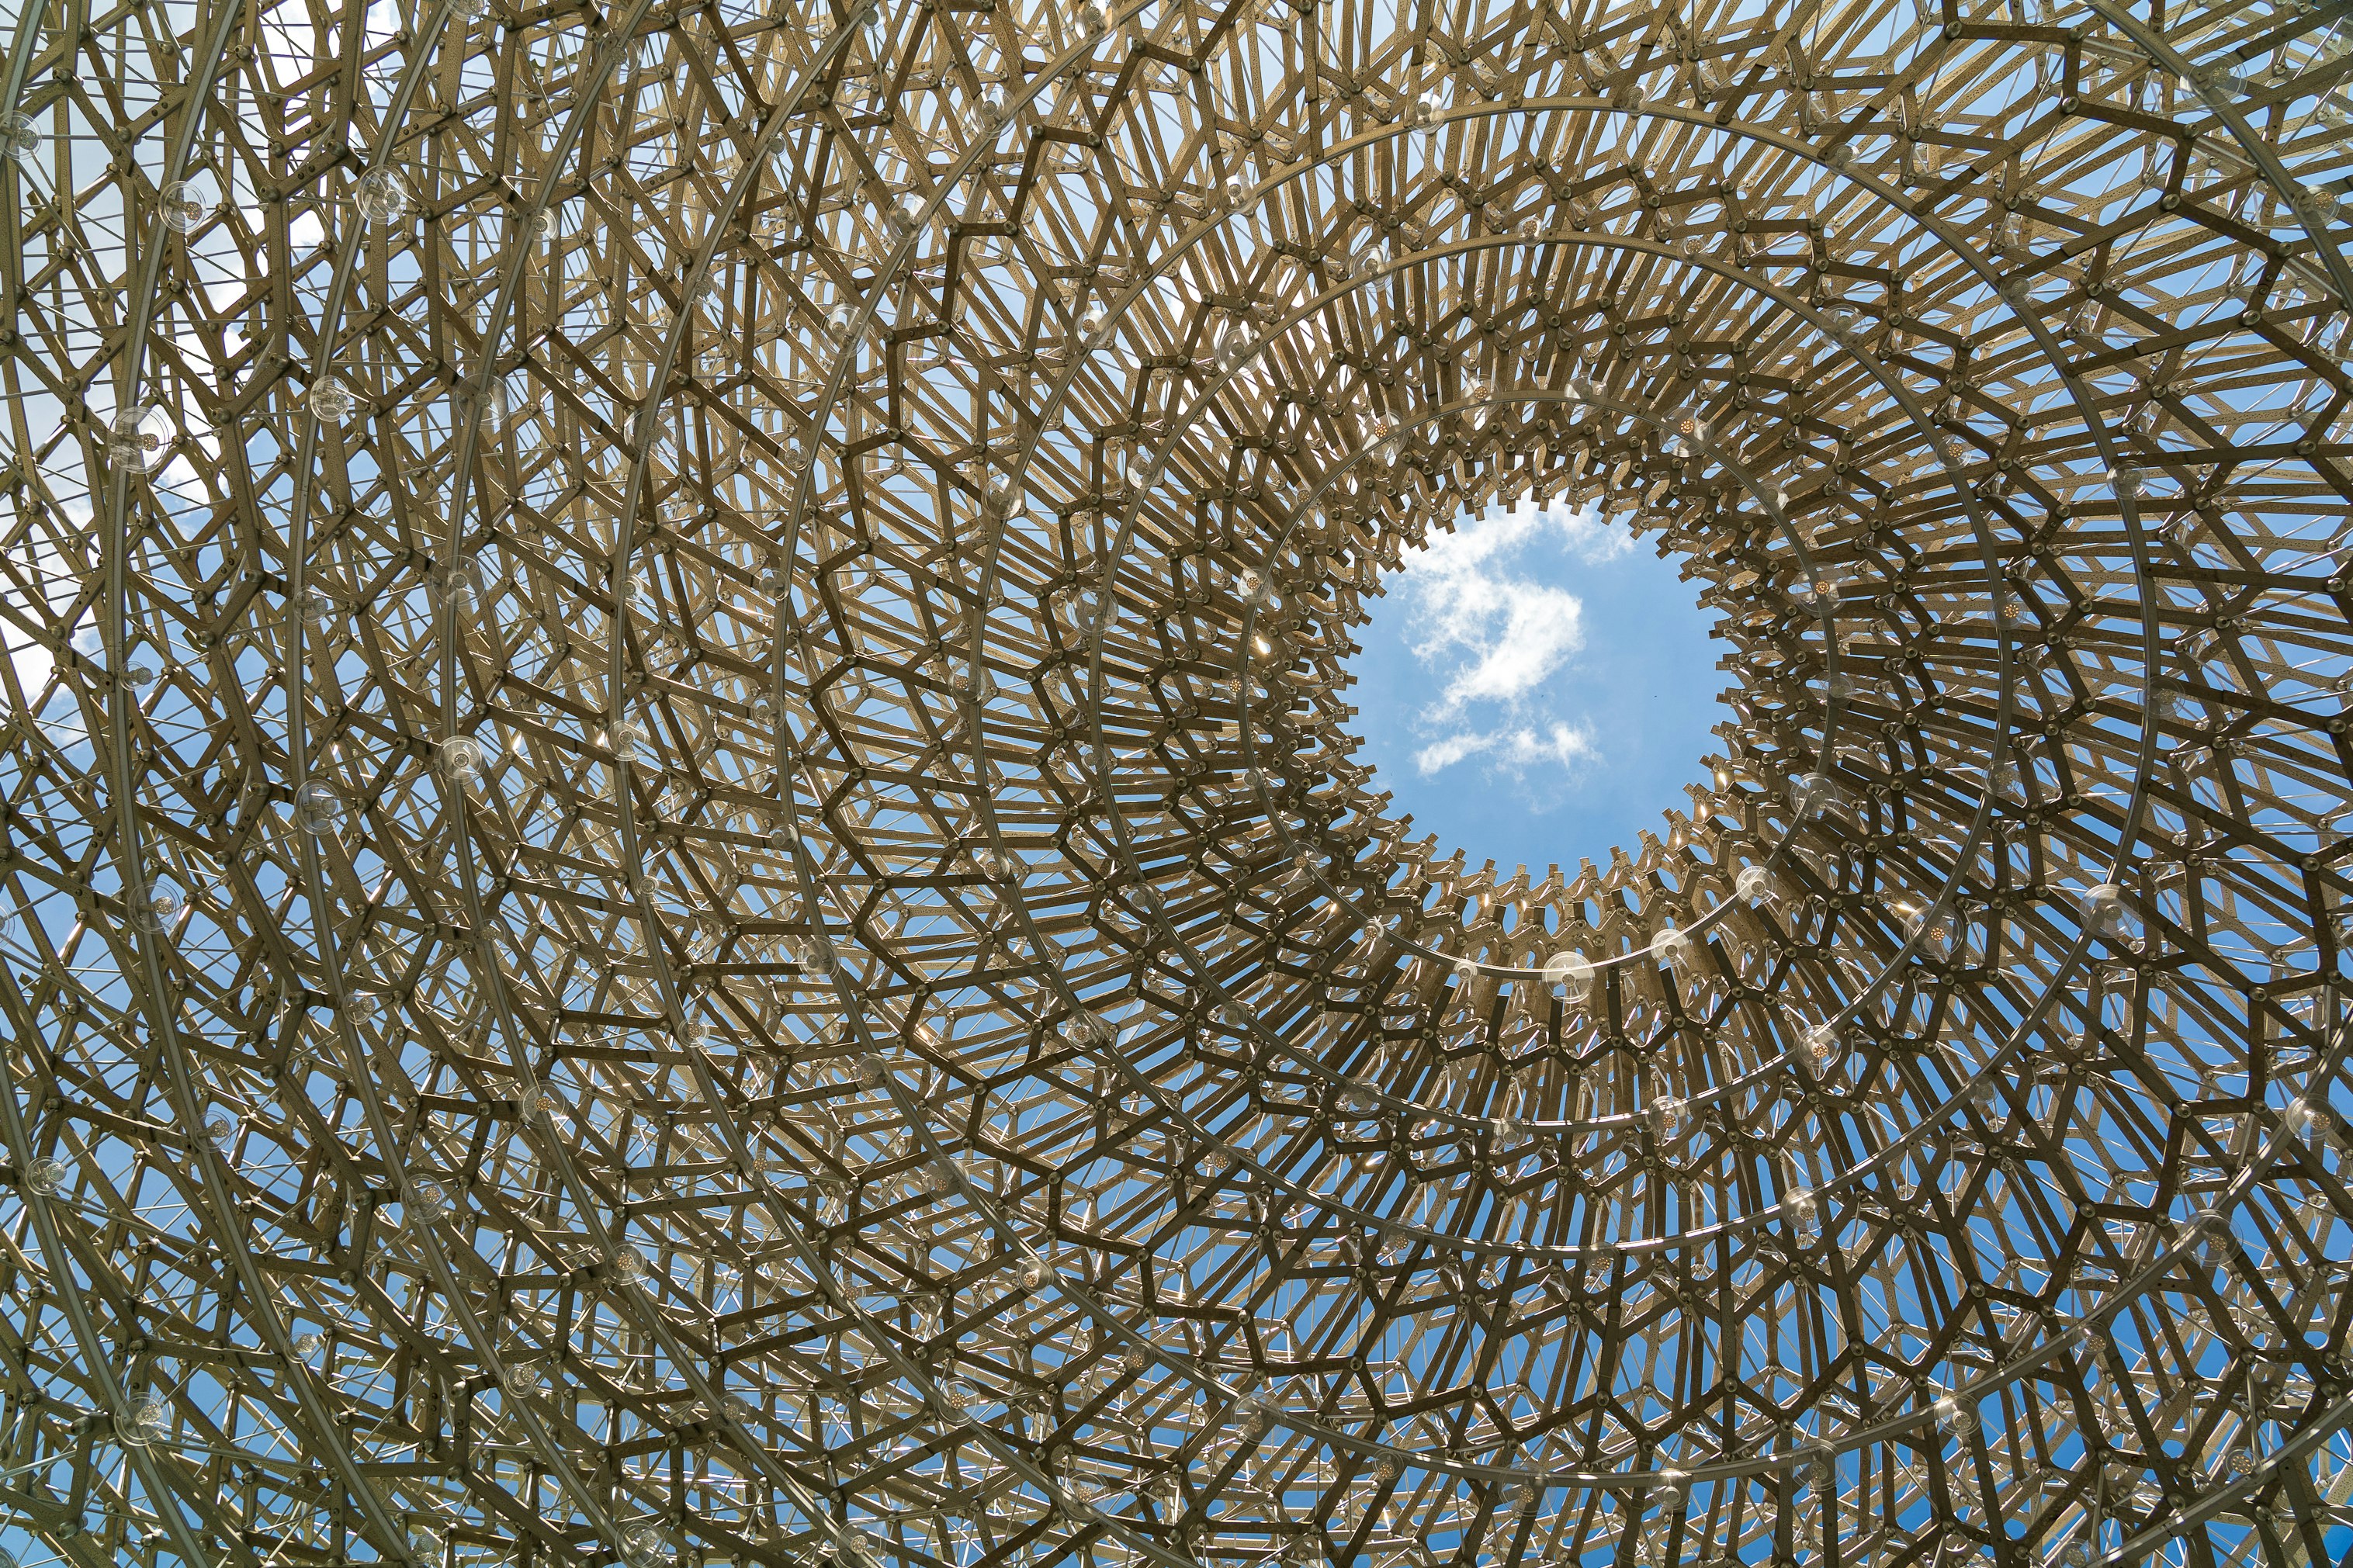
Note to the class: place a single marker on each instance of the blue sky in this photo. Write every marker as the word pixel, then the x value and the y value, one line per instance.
pixel 1536 686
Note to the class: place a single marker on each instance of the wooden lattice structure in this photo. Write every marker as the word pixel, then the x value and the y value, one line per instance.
pixel 684 878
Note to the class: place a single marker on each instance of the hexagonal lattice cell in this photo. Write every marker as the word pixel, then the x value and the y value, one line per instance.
pixel 686 881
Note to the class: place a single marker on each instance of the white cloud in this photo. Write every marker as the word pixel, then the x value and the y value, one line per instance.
pixel 1496 639
pixel 1520 633
pixel 1445 753
pixel 1517 748
pixel 1560 745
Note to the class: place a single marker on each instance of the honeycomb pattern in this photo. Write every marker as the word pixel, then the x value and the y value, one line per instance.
pixel 685 880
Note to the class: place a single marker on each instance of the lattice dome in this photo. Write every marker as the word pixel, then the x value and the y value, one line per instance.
pixel 686 875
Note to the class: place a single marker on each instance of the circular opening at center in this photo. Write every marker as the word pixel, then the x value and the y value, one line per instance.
pixel 1536 686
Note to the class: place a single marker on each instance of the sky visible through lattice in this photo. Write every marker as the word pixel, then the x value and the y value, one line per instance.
pixel 1537 687
pixel 730 926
